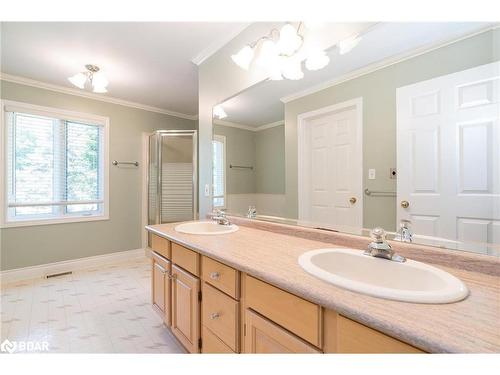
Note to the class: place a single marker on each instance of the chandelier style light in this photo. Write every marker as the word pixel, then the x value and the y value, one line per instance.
pixel 93 77
pixel 278 52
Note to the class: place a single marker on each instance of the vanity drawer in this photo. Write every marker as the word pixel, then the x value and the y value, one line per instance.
pixel 221 276
pixel 220 315
pixel 213 344
pixel 185 258
pixel 293 313
pixel 161 246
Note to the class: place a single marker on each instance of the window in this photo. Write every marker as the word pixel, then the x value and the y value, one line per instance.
pixel 219 171
pixel 55 165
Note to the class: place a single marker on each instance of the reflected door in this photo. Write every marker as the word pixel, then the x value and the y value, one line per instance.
pixel 331 170
pixel 448 155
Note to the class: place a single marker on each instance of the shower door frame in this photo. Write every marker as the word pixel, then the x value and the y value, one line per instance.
pixel 172 133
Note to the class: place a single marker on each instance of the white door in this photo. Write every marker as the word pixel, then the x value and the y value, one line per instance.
pixel 330 172
pixel 449 156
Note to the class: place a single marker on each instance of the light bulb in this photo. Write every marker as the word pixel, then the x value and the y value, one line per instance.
pixel 292 69
pixel 78 80
pixel 268 54
pixel 289 41
pixel 244 57
pixel 348 44
pixel 99 80
pixel 317 60
pixel 219 112
pixel 99 89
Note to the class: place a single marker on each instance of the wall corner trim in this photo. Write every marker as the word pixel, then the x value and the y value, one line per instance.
pixel 40 271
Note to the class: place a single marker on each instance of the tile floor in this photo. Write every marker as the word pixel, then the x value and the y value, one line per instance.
pixel 99 310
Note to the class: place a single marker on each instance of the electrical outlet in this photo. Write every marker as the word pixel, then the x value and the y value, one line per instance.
pixel 393 173
pixel 371 174
pixel 207 190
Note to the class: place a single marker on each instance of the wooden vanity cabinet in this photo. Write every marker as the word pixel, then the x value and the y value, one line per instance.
pixel 186 308
pixel 265 337
pixel 161 286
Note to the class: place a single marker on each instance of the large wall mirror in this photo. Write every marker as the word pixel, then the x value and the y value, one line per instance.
pixel 404 127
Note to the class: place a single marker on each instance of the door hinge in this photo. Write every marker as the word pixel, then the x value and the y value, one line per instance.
pixel 199 296
pixel 199 343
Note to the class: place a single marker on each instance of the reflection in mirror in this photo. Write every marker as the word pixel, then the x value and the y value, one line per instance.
pixel 402 133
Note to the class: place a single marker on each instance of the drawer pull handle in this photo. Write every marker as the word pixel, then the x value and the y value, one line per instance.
pixel 215 275
pixel 214 316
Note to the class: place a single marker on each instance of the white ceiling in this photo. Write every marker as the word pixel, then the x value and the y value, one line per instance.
pixel 261 104
pixel 147 63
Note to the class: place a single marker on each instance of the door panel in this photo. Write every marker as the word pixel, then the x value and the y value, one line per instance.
pixel 332 169
pixel 448 147
pixel 159 286
pixel 264 337
pixel 185 308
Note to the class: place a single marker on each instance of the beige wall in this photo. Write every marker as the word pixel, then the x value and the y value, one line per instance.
pixel 270 160
pixel 28 246
pixel 378 90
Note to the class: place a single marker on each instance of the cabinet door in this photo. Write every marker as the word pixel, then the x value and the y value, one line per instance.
pixel 186 308
pixel 265 337
pixel 158 286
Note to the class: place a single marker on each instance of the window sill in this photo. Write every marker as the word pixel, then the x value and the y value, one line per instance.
pixel 73 219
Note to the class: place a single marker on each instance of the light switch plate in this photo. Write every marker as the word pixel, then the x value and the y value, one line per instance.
pixel 207 190
pixel 371 174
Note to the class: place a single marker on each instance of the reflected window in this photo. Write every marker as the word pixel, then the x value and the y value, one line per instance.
pixel 219 172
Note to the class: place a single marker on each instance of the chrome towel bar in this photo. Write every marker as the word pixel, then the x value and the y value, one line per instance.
pixel 375 193
pixel 240 166
pixel 136 163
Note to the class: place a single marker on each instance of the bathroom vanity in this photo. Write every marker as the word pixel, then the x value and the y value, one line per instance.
pixel 244 292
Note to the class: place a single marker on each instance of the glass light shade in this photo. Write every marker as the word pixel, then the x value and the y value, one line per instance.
pixel 99 80
pixel 268 54
pixel 244 57
pixel 99 89
pixel 219 112
pixel 78 80
pixel 292 69
pixel 289 41
pixel 317 60
pixel 348 44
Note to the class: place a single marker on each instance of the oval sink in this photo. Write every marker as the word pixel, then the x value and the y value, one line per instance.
pixel 410 281
pixel 205 228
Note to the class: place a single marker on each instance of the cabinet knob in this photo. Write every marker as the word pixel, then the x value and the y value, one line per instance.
pixel 214 316
pixel 405 204
pixel 353 200
pixel 215 275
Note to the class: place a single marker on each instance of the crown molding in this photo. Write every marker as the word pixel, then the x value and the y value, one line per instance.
pixel 218 44
pixel 270 125
pixel 90 95
pixel 247 127
pixel 381 65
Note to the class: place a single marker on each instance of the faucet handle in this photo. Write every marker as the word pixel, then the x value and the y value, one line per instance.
pixel 378 234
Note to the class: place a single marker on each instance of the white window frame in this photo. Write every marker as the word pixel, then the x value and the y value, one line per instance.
pixel 222 139
pixel 60 114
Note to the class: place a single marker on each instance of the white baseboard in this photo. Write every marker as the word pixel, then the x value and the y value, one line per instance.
pixel 40 271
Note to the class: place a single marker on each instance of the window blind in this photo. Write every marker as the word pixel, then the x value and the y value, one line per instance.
pixel 219 175
pixel 54 167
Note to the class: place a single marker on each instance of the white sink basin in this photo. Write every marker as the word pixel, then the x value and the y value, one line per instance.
pixel 410 281
pixel 205 228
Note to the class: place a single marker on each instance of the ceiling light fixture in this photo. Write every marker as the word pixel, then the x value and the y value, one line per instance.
pixel 219 112
pixel 92 75
pixel 278 52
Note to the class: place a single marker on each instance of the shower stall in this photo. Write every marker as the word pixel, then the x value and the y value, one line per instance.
pixel 172 176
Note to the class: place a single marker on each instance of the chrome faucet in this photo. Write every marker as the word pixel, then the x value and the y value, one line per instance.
pixel 220 217
pixel 379 247
pixel 405 233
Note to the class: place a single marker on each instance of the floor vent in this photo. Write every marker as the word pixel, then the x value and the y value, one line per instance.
pixel 59 274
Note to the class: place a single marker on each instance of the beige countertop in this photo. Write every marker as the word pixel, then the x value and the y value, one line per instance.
pixel 472 325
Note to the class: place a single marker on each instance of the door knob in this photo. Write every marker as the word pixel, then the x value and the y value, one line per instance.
pixel 353 200
pixel 405 204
